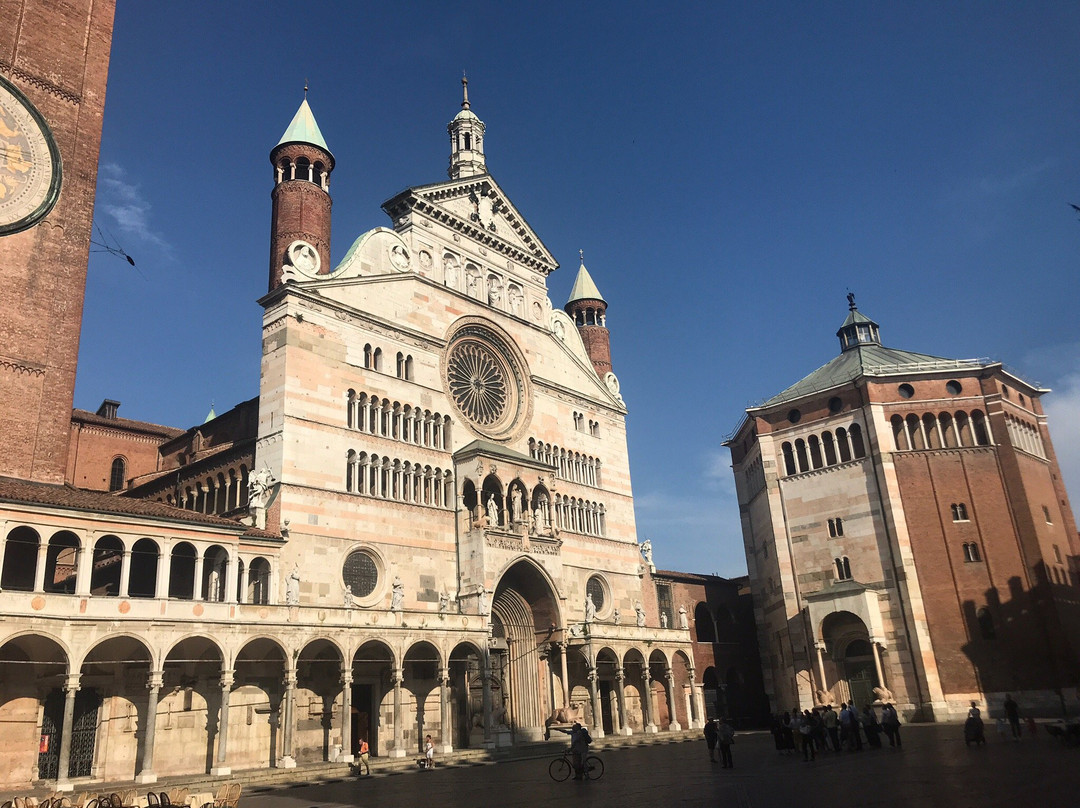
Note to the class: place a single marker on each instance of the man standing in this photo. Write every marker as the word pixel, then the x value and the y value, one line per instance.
pixel 832 727
pixel 1012 713
pixel 726 737
pixel 710 738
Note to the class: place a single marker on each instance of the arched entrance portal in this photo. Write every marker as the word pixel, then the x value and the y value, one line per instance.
pixel 524 616
pixel 851 672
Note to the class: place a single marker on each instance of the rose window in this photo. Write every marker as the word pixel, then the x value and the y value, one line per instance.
pixel 478 383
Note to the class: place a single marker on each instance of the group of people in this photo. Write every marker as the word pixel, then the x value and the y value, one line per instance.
pixel 719 734
pixel 824 730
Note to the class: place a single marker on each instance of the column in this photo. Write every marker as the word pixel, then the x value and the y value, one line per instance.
pixel 161 587
pixel 232 569
pixel 674 725
pixel 125 573
pixel 71 687
pixel 875 644
pixel 84 564
pixel 220 768
pixel 346 714
pixel 646 699
pixel 3 549
pixel 153 687
pixel 399 725
pixel 820 647
pixel 196 592
pixel 446 731
pixel 594 699
pixel 42 560
pixel 287 761
pixel 485 678
pixel 693 713
pixel 565 680
pixel 620 699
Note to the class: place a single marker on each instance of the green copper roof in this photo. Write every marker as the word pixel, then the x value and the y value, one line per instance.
pixel 855 316
pixel 303 129
pixel 584 288
pixel 210 416
pixel 869 360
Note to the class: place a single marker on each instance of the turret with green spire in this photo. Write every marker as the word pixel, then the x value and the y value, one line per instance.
pixel 588 309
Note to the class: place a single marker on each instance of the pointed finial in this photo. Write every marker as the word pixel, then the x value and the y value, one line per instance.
pixel 851 301
pixel 305 89
pixel 464 90
pixel 581 254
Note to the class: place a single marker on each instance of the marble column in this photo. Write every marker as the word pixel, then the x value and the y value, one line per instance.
pixel 346 714
pixel 673 725
pixel 565 680
pixel 446 728
pixel 287 761
pixel 875 644
pixel 153 686
pixel 221 768
pixel 646 699
pixel 620 699
pixel 71 688
pixel 485 678
pixel 594 699
pixel 819 647
pixel 85 567
pixel 39 567
pixel 125 573
pixel 398 751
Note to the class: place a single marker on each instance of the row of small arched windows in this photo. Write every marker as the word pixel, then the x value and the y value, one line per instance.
pixel 303 169
pixel 227 491
pixel 579 425
pixel 827 450
pixel 572 466
pixel 580 516
pixel 388 478
pixel 391 419
pixel 946 430
pixel 1025 435
pixel 117 571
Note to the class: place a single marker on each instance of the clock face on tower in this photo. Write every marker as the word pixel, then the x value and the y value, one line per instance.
pixel 30 168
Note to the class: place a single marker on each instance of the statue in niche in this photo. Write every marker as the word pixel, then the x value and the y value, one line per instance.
pixel 450 272
pixel 683 621
pixel 616 617
pixel 492 510
pixel 640 614
pixel 517 506
pixel 482 602
pixel 473 283
pixel 444 603
pixel 292 587
pixel 663 619
pixel 515 299
pixel 397 594
pixel 348 596
pixel 590 608
pixel 494 292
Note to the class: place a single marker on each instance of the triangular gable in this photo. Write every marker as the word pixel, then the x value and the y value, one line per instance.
pixel 479 209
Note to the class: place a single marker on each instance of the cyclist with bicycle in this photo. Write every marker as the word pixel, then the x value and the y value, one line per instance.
pixel 579 747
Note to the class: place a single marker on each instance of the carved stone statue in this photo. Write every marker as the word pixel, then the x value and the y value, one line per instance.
pixel 492 510
pixel 616 617
pixel 482 602
pixel 444 603
pixel 259 495
pixel 494 292
pixel 683 622
pixel 884 695
pixel 590 608
pixel 474 283
pixel 517 513
pixel 450 272
pixel 663 619
pixel 646 552
pixel 292 587
pixel 515 298
pixel 824 698
pixel 397 594
pixel 348 596
pixel 639 612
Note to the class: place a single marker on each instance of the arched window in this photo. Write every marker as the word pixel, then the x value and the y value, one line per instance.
pixel 367 357
pixel 843 569
pixel 118 474
pixel 959 512
pixel 400 367
pixel 377 359
pixel 899 434
pixel 800 452
pixel 978 423
pixel 858 449
pixel 408 368
pixel 842 445
pixel 971 552
pixel 815 451
pixel 829 448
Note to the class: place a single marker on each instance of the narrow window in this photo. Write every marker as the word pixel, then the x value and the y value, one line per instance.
pixel 971 552
pixel 400 370
pixel 118 476
pixel 1046 512
pixel 409 368
pixel 468 141
pixel 789 459
pixel 1057 554
pixel 959 512
pixel 843 569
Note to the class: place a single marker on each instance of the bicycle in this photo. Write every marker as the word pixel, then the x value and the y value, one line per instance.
pixel 562 767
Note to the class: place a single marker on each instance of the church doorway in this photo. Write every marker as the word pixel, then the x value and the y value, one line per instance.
pixel 525 615
pixel 851 675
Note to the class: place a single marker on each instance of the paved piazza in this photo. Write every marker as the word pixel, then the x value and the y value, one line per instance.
pixel 934 768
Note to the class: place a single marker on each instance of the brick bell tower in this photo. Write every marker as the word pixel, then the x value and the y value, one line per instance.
pixel 588 308
pixel 300 221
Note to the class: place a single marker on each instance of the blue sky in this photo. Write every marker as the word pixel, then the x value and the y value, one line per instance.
pixel 729 169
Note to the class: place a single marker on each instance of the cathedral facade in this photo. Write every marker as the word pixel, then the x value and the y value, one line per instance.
pixel 908 536
pixel 423 524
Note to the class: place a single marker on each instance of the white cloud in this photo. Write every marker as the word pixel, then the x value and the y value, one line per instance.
pixel 1063 411
pixel 123 202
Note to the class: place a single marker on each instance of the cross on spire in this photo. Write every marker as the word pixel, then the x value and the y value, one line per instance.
pixel 464 90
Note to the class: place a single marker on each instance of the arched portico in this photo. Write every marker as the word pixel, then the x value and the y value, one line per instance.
pixel 849 663
pixel 524 616
pixel 34 677
pixel 375 677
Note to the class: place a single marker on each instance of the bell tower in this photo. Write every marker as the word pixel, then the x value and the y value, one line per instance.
pixel 300 221
pixel 466 140
pixel 588 309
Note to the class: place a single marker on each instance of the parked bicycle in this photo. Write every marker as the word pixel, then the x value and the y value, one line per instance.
pixel 562 767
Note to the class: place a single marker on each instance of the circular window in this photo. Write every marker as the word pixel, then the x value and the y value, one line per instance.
pixel 360 573
pixel 595 589
pixel 794 416
pixel 954 387
pixel 906 391
pixel 835 404
pixel 484 380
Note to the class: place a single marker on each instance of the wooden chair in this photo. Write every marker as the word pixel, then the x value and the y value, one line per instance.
pixel 93 802
pixel 115 800
pixel 20 802
pixel 8 804
pixel 228 796
pixel 163 798
pixel 178 796
pixel 152 800
pixel 130 797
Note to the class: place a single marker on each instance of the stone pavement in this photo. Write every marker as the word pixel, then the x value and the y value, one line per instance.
pixel 934 768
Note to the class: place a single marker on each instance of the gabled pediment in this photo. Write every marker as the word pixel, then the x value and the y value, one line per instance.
pixel 477 208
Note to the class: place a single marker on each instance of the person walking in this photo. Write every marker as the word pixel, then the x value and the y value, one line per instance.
pixel 711 734
pixel 363 765
pixel 890 722
pixel 429 753
pixel 1012 713
pixel 725 738
pixel 831 722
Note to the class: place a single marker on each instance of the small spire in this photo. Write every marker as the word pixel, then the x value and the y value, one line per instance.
pixel 581 254
pixel 464 90
pixel 305 89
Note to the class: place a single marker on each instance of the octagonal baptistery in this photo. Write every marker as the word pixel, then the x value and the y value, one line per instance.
pixel 449 466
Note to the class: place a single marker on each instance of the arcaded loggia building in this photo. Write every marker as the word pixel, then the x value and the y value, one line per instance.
pixel 423 524
pixel 908 535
